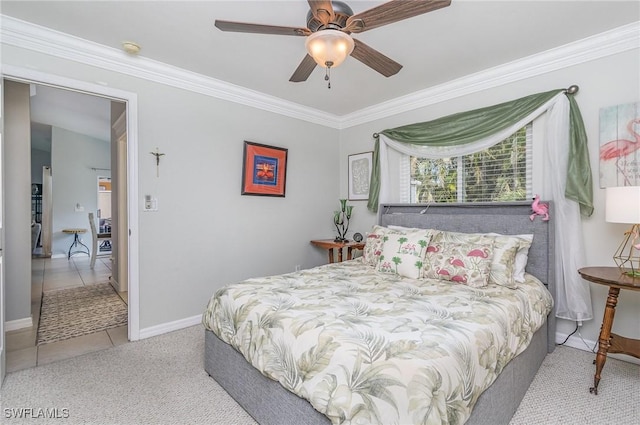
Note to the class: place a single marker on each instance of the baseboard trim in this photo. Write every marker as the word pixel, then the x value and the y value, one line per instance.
pixel 170 326
pixel 14 325
pixel 574 341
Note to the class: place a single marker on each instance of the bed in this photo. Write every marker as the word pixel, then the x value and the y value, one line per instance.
pixel 390 385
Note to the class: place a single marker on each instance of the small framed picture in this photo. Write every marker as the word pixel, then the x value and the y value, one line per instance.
pixel 264 170
pixel 360 165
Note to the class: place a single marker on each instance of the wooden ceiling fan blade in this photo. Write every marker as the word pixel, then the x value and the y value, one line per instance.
pixel 303 71
pixel 260 29
pixel 392 11
pixel 322 10
pixel 374 59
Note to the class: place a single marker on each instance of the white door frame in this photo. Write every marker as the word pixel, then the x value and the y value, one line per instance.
pixel 31 76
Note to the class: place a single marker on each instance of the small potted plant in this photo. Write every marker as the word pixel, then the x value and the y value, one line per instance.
pixel 341 220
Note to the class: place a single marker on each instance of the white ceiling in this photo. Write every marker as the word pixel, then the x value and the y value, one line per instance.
pixel 467 37
pixel 78 112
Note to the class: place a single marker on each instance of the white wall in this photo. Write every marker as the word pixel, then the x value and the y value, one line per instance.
pixel 73 157
pixel 205 233
pixel 39 159
pixel 604 82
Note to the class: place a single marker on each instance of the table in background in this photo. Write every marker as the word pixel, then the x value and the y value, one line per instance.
pixel 609 342
pixel 330 245
pixel 76 242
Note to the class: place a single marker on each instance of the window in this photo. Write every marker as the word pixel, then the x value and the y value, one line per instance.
pixel 501 173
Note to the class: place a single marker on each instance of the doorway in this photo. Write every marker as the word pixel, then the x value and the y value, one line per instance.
pixel 129 100
pixel 71 136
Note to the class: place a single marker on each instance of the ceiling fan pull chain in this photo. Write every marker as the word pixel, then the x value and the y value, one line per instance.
pixel 327 75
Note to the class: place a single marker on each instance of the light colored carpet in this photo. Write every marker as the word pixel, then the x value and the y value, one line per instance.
pixel 161 380
pixel 68 313
pixel 559 394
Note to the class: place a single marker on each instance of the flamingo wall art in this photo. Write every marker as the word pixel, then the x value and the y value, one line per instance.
pixel 620 145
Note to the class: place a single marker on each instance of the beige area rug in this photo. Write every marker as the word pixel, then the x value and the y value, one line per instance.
pixel 68 313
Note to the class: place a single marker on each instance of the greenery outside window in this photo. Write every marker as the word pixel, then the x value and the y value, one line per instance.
pixel 501 173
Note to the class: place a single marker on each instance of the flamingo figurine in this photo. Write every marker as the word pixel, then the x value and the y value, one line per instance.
pixel 619 148
pixel 539 208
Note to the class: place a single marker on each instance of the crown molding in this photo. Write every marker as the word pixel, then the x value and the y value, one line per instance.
pixel 37 38
pixel 26 35
pixel 601 45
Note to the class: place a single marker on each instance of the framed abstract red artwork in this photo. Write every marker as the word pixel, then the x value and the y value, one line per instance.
pixel 264 170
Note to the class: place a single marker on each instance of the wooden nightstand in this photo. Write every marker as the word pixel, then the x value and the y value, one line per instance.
pixel 609 342
pixel 330 245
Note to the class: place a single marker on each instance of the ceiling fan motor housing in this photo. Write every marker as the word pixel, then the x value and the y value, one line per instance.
pixel 341 12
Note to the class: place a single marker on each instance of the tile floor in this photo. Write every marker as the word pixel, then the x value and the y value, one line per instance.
pixel 50 274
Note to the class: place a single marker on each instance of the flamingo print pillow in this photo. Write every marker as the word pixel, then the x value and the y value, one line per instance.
pixel 403 253
pixel 465 263
pixel 505 248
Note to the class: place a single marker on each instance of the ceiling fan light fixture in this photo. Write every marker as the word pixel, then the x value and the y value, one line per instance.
pixel 329 47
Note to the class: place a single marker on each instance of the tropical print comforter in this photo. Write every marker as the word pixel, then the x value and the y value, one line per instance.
pixel 366 348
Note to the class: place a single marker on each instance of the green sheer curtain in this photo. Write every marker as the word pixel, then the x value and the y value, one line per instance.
pixel 470 126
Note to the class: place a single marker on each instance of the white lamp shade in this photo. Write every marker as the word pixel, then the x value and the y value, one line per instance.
pixel 623 204
pixel 329 46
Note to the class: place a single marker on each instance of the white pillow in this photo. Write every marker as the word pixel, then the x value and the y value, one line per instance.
pixel 522 256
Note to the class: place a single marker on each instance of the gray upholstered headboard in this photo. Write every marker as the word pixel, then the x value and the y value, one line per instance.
pixel 506 218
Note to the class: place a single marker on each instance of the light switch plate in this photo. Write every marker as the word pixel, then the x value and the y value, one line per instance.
pixel 150 204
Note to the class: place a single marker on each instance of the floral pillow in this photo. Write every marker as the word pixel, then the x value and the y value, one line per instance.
pixel 403 253
pixel 373 245
pixel 465 263
pixel 505 248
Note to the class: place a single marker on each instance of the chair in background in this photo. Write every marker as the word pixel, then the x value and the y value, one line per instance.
pixel 95 237
pixel 36 229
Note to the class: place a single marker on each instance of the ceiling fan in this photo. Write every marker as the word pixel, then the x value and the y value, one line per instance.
pixel 329 24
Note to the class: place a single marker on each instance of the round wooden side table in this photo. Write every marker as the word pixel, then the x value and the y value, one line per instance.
pixel 609 342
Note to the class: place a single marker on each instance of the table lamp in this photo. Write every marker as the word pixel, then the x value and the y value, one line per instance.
pixel 623 206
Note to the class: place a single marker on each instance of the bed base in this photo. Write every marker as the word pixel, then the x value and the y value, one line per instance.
pixel 269 403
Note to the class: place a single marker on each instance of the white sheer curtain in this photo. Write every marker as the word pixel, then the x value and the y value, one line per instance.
pixel 573 299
